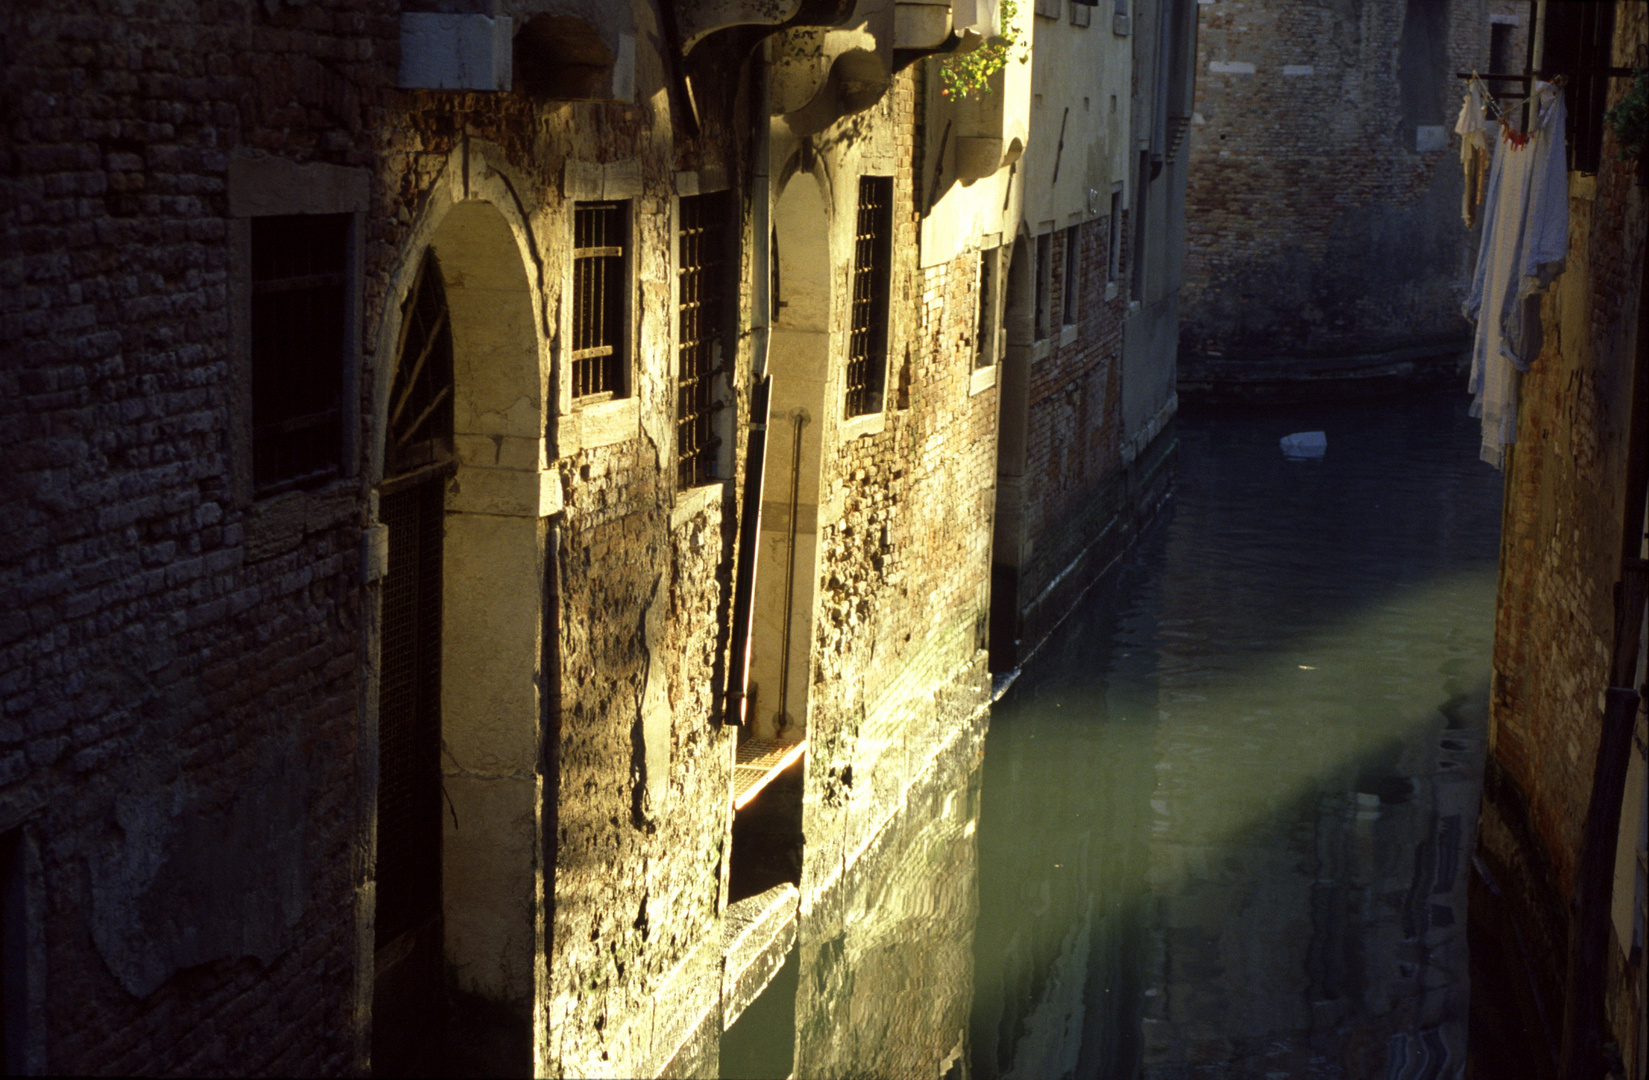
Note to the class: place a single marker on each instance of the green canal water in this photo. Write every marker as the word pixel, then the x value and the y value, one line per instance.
pixel 1225 815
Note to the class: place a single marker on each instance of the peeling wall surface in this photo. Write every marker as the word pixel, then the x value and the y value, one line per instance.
pixel 1325 183
pixel 1555 632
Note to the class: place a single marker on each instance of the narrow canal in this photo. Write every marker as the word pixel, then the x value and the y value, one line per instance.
pixel 1222 821
pixel 1227 812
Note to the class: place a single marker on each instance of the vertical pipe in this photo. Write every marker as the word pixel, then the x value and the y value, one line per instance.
pixel 790 560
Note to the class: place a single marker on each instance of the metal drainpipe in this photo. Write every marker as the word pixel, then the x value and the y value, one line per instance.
pixel 760 319
pixel 790 560
pixel 549 748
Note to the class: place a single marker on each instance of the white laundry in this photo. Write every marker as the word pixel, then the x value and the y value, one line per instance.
pixel 1525 239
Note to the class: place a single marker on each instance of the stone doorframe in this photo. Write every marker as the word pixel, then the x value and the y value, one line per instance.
pixel 497 509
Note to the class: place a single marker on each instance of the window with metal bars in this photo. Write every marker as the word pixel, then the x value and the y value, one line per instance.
pixel 872 265
pixel 600 287
pixel 1577 43
pixel 1073 273
pixel 299 283
pixel 989 268
pixel 701 247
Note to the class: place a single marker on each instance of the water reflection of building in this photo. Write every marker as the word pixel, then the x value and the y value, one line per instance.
pixel 881 980
pixel 1062 853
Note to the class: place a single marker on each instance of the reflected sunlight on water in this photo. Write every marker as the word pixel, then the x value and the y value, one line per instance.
pixel 1219 824
pixel 1224 814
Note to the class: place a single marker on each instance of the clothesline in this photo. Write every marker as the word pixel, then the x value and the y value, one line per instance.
pixel 1491 100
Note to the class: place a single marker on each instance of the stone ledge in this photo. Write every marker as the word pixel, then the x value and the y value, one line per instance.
pixel 757 934
pixel 695 501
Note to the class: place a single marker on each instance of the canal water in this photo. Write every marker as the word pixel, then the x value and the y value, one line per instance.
pixel 1224 816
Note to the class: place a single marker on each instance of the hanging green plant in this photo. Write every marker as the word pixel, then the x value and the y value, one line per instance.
pixel 1630 118
pixel 970 72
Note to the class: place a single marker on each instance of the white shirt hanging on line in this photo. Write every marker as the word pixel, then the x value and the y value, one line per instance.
pixel 1525 240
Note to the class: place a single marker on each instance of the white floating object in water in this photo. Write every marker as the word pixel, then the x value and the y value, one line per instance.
pixel 1304 444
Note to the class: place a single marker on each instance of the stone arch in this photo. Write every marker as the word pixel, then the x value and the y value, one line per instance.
pixel 492 503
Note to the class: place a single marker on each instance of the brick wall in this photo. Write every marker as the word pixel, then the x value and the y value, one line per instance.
pixel 1323 206
pixel 182 674
pixel 180 688
pixel 1554 631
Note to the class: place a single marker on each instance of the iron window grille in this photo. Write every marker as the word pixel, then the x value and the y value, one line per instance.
pixel 299 282
pixel 1577 43
pixel 600 278
pixel 872 259
pixel 1044 283
pixel 1073 273
pixel 985 352
pixel 701 246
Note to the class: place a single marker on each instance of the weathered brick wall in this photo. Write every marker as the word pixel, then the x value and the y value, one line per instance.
pixel 1555 613
pixel 180 686
pixel 904 557
pixel 1315 227
pixel 1073 442
pixel 182 675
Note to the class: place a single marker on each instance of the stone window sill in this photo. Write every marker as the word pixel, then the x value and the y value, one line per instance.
pixel 707 498
pixel 277 524
pixel 869 424
pixel 1067 334
pixel 603 424
pixel 1041 349
pixel 981 380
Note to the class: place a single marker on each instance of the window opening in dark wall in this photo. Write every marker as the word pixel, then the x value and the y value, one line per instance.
pixel 1423 81
pixel 600 276
pixel 14 945
pixel 872 265
pixel 1044 283
pixel 1501 60
pixel 1073 272
pixel 701 350
pixel 1114 239
pixel 985 352
pixel 1578 43
pixel 299 283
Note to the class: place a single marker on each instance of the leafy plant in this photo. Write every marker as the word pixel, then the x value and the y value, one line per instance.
pixel 1630 118
pixel 970 72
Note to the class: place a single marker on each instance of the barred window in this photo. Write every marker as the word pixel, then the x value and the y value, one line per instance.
pixel 985 352
pixel 701 245
pixel 872 259
pixel 1578 41
pixel 1073 273
pixel 299 278
pixel 600 273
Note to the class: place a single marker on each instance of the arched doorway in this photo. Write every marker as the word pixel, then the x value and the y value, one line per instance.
pixel 461 654
pixel 408 1002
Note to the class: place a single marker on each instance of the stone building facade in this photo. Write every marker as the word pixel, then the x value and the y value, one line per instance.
pixel 1090 306
pixel 1568 642
pixel 504 512
pixel 1326 248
